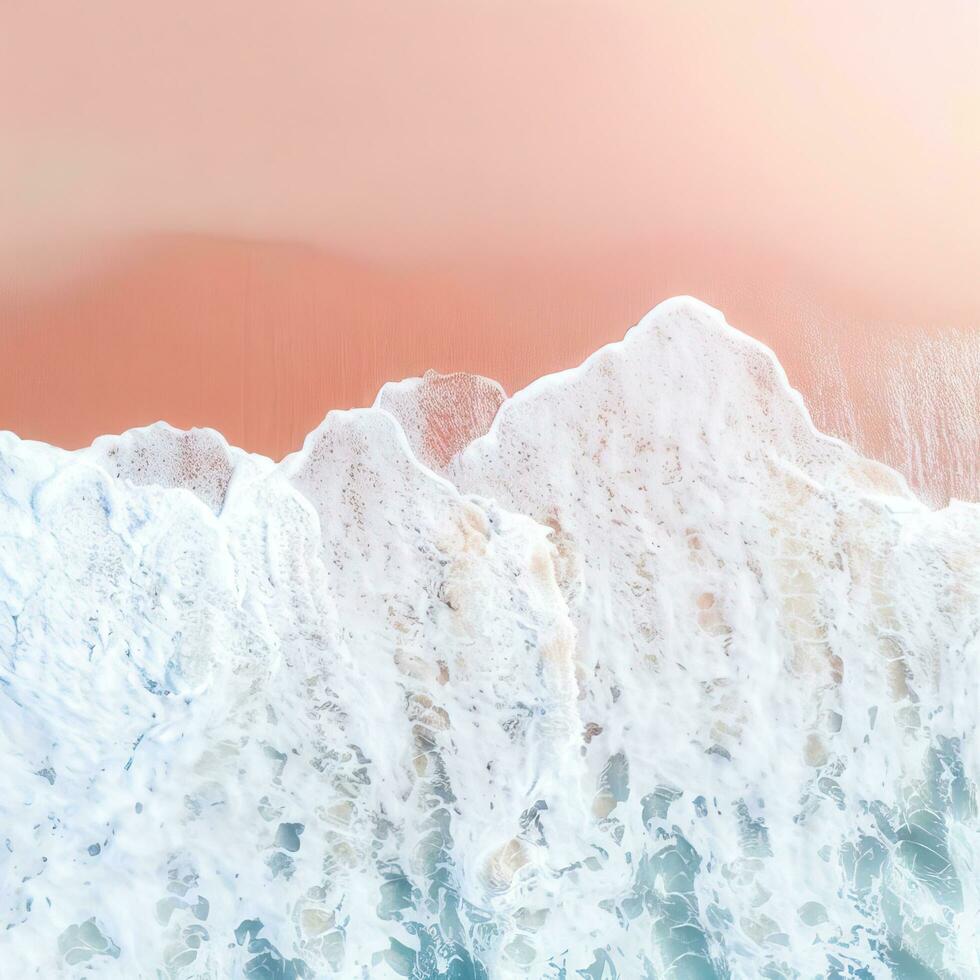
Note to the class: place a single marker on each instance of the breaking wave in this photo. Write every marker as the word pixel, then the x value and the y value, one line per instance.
pixel 634 674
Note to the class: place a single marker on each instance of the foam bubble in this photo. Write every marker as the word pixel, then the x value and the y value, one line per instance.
pixel 199 460
pixel 442 413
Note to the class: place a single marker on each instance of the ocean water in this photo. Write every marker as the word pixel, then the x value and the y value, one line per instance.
pixel 634 674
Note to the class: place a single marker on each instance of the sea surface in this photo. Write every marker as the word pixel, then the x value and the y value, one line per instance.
pixel 632 674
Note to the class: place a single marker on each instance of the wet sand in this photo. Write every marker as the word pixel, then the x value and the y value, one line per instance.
pixel 260 340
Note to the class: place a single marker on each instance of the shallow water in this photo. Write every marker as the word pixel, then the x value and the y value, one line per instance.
pixel 638 675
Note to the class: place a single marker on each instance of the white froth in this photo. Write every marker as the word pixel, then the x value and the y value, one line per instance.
pixel 442 413
pixel 199 460
pixel 653 680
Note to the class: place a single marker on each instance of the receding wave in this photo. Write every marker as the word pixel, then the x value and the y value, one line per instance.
pixel 634 674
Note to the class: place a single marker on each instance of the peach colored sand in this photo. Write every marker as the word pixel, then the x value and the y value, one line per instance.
pixel 490 185
pixel 260 340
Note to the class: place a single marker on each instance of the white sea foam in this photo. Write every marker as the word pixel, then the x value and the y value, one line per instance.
pixel 650 679
pixel 442 413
